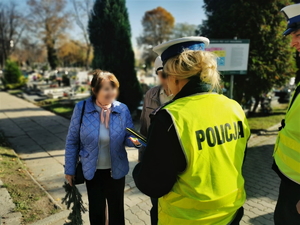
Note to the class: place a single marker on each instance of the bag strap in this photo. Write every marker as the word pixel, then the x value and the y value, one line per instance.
pixel 82 113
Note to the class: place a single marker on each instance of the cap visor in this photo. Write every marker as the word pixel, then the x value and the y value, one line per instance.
pixel 288 31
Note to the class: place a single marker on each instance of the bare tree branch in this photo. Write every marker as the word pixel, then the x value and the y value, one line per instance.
pixel 51 20
pixel 82 12
pixel 11 28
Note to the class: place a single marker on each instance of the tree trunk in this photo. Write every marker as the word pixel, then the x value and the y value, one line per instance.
pixel 88 52
pixel 52 56
pixel 4 53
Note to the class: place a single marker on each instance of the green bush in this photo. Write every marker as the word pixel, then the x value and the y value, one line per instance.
pixel 14 86
pixel 12 73
pixel 81 89
pixel 13 77
pixel 45 67
pixel 21 83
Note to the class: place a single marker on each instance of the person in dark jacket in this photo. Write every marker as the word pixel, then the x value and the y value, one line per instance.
pixel 154 98
pixel 101 138
pixel 180 166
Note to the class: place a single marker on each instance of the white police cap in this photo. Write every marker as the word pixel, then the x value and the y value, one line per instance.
pixel 292 14
pixel 174 47
pixel 158 65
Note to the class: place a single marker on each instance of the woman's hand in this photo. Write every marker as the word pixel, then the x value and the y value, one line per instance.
pixel 135 141
pixel 70 179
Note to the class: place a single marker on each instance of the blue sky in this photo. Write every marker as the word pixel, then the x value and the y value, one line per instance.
pixel 189 11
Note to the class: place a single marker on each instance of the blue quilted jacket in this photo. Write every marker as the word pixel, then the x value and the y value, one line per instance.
pixel 120 118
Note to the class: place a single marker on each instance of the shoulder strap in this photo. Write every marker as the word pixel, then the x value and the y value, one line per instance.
pixel 297 91
pixel 82 112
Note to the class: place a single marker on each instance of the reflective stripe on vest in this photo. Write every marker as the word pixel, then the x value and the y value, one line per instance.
pixel 213 132
pixel 287 148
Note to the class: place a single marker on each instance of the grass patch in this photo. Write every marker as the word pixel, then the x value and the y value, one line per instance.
pixel 63 107
pixel 28 198
pixel 58 106
pixel 61 110
pixel 15 92
pixel 259 122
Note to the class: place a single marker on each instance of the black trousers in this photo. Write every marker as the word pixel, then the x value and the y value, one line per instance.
pixel 154 211
pixel 101 188
pixel 239 215
pixel 285 211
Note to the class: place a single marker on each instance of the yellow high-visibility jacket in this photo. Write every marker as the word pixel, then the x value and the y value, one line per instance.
pixel 213 132
pixel 287 148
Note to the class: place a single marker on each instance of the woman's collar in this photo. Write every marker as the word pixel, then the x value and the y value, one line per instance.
pixel 90 107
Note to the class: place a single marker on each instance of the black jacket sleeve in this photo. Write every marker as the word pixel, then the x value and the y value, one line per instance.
pixel 163 159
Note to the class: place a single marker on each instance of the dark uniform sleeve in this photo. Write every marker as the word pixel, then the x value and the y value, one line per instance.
pixel 163 159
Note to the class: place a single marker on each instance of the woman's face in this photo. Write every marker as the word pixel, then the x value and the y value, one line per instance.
pixel 107 94
pixel 161 78
pixel 295 42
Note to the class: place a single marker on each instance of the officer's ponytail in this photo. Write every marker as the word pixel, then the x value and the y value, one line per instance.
pixel 190 63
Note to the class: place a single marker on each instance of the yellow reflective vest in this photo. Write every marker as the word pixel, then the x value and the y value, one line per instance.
pixel 213 132
pixel 287 148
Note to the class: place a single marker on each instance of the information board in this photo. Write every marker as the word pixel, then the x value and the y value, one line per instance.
pixel 232 55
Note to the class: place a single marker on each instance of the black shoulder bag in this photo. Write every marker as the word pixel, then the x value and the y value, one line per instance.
pixel 79 178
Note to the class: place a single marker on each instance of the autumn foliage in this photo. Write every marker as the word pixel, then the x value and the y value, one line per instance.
pixel 73 53
pixel 158 27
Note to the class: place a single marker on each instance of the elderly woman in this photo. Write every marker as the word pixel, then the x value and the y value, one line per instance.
pixel 196 143
pixel 103 137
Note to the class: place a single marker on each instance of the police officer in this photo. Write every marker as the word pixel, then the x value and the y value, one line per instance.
pixel 196 143
pixel 287 148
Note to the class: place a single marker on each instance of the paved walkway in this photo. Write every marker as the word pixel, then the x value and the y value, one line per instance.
pixel 7 216
pixel 38 136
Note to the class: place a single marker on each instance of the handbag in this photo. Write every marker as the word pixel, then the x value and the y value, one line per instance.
pixel 79 178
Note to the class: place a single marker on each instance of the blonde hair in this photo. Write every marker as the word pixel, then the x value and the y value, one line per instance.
pixel 195 63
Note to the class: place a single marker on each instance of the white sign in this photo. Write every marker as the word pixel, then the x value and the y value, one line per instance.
pixel 233 55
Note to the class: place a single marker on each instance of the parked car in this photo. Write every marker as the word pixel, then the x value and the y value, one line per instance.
pixel 284 95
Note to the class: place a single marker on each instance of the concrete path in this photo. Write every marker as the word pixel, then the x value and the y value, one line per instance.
pixel 38 136
pixel 7 216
